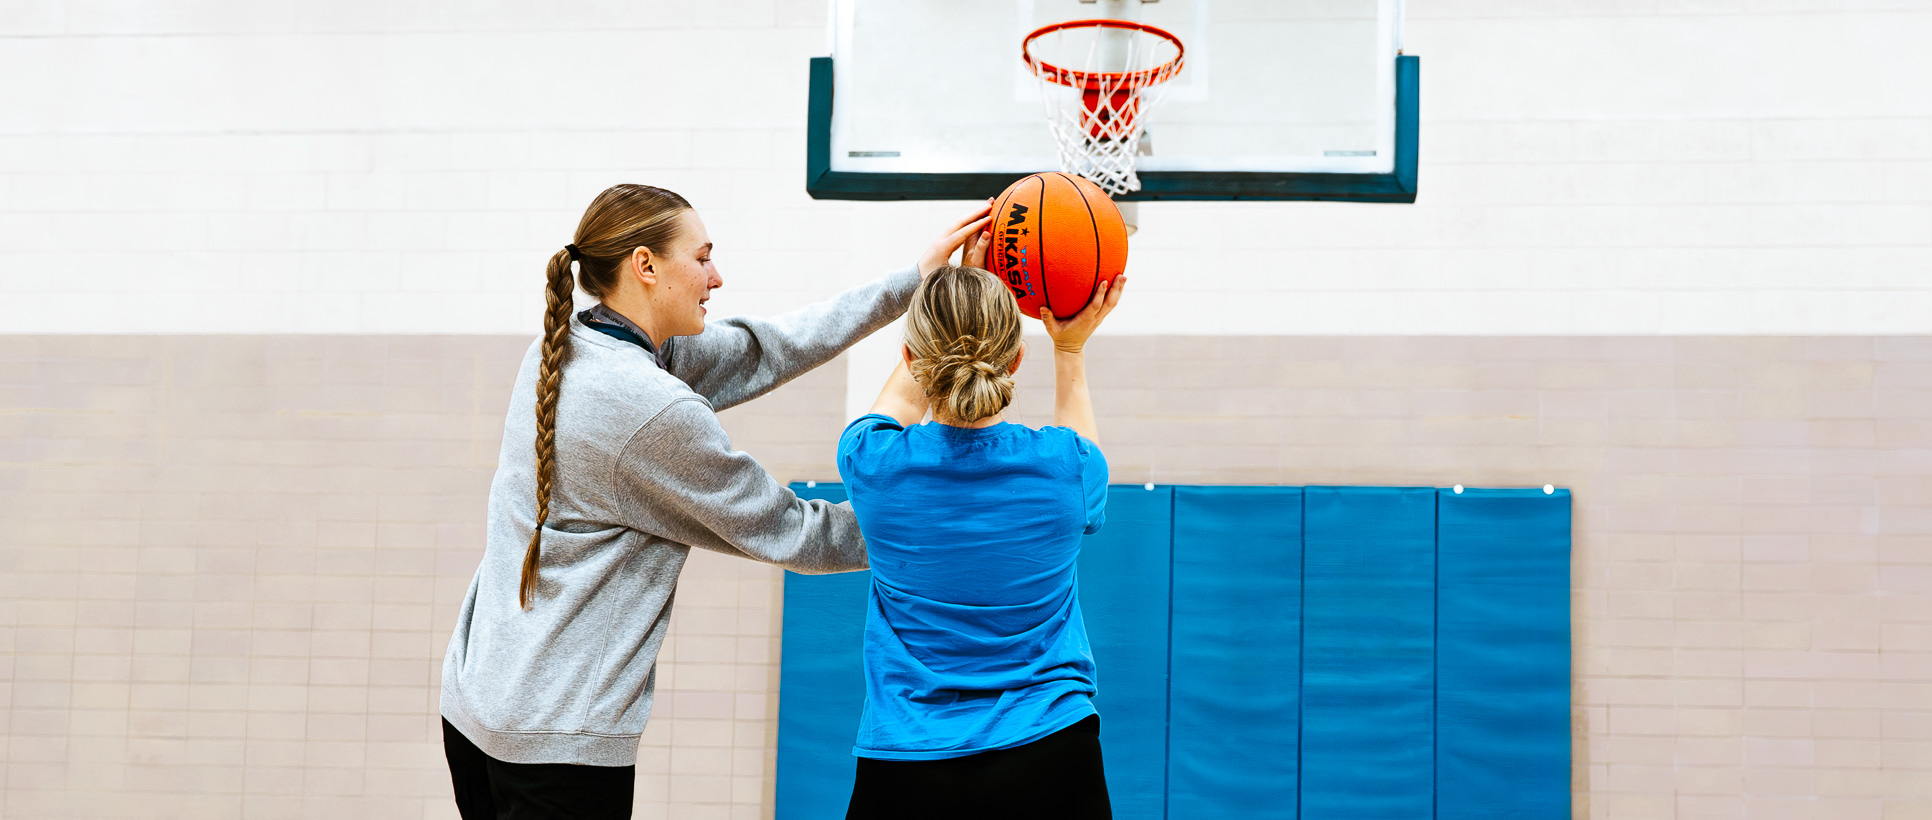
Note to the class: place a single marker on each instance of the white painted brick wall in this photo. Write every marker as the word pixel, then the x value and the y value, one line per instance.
pixel 1590 166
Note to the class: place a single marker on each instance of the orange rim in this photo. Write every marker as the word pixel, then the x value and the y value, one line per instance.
pixel 1096 80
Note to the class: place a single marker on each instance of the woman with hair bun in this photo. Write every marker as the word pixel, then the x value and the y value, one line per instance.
pixel 613 467
pixel 979 678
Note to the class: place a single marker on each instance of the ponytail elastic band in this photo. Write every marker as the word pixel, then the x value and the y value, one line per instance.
pixel 574 253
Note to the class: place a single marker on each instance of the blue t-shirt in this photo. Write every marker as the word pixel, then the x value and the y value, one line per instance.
pixel 973 635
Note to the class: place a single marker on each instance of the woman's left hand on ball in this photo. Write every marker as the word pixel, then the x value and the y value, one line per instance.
pixel 942 249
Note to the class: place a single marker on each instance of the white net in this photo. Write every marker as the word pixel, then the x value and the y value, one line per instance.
pixel 1098 82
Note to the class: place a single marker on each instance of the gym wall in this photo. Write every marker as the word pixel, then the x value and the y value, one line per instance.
pixel 267 268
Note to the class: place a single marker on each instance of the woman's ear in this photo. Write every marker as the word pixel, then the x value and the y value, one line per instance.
pixel 905 354
pixel 640 264
pixel 1017 357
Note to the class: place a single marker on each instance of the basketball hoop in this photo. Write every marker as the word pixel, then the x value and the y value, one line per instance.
pixel 1095 113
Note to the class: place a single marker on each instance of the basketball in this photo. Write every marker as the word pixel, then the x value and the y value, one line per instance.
pixel 1055 237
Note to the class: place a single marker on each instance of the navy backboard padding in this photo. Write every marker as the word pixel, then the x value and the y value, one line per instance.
pixel 1235 698
pixel 1123 596
pixel 1368 641
pixel 1503 655
pixel 821 686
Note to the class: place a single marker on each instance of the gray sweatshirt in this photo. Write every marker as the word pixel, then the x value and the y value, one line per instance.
pixel 643 473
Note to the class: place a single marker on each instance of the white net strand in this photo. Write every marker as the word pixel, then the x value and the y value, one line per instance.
pixel 1096 114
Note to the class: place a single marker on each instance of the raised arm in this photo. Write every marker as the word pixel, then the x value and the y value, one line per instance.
pixel 678 478
pixel 739 359
pixel 1072 404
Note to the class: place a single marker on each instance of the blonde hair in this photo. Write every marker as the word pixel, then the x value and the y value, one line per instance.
pixel 620 220
pixel 963 329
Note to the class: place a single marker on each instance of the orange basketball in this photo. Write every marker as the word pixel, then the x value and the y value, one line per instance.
pixel 1055 237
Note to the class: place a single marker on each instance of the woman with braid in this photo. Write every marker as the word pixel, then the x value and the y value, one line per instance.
pixel 978 677
pixel 613 467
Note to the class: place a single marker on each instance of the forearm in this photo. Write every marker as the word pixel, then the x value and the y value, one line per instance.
pixel 738 359
pixel 1072 404
pixel 679 478
pixel 902 398
pixel 806 537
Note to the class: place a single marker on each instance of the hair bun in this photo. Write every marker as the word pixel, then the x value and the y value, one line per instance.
pixel 963 330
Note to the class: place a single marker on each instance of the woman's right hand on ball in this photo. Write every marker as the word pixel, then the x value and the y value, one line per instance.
pixel 1070 336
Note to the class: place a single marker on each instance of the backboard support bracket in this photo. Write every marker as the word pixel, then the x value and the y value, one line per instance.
pixel 1399 185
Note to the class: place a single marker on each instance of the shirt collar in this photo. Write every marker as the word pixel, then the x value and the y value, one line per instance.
pixel 603 319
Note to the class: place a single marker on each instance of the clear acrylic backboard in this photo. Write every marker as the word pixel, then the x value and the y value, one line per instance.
pixel 1276 99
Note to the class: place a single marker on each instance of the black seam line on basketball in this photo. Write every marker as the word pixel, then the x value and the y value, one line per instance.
pixel 1095 281
pixel 1039 241
pixel 992 260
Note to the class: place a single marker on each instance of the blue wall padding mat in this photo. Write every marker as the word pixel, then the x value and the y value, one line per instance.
pixel 1235 701
pixel 1275 652
pixel 1503 655
pixel 1368 646
pixel 1123 596
pixel 821 686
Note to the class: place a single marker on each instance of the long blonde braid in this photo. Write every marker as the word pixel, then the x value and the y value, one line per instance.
pixel 620 220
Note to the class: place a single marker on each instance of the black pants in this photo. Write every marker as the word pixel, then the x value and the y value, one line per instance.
pixel 1057 776
pixel 490 789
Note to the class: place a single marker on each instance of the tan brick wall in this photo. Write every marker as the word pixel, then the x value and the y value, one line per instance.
pixel 228 565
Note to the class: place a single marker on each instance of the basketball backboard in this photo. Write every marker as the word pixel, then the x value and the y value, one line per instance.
pixel 1275 100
